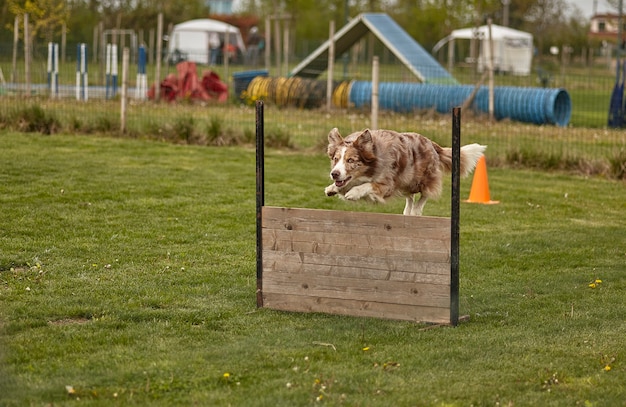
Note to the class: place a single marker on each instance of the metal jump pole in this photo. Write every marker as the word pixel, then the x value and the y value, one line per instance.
pixel 455 216
pixel 260 200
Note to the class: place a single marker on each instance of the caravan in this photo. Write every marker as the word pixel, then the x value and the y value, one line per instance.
pixel 189 41
pixel 512 49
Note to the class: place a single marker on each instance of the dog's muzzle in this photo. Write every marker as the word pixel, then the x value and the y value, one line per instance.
pixel 339 182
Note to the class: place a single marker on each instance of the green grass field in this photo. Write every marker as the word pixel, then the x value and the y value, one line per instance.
pixel 127 277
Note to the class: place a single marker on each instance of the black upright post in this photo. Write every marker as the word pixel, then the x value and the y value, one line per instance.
pixel 455 216
pixel 260 200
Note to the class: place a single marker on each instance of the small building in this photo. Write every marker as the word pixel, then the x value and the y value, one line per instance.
pixel 189 41
pixel 605 27
pixel 512 49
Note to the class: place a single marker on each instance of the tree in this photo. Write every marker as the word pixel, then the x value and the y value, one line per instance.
pixel 615 4
pixel 429 21
pixel 546 19
pixel 46 17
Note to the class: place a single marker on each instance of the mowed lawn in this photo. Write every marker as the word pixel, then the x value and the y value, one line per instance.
pixel 127 277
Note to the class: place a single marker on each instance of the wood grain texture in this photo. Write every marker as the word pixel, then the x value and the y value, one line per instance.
pixel 354 263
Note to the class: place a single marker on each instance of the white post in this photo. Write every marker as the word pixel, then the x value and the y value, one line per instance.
pixel 267 43
pixel 27 54
pixel 83 69
pixel 125 58
pixel 16 38
pixel 277 49
pixel 55 70
pixel 225 51
pixel 141 86
pixel 63 42
pixel 451 55
pixel 107 69
pixel 78 65
pixel 49 67
pixel 375 83
pixel 159 49
pixel 286 45
pixel 114 67
pixel 95 48
pixel 331 65
pixel 491 68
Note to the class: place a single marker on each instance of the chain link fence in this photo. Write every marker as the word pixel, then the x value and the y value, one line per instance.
pixel 213 104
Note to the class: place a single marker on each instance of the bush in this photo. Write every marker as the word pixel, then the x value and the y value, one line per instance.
pixel 104 124
pixel 278 138
pixel 33 119
pixel 183 128
pixel 617 165
pixel 249 136
pixel 214 129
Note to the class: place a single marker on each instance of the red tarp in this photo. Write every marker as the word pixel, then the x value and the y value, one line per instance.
pixel 187 86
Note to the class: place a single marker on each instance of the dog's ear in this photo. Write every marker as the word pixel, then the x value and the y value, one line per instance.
pixel 365 145
pixel 334 137
pixel 364 140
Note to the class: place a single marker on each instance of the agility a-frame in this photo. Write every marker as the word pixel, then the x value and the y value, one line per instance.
pixel 357 263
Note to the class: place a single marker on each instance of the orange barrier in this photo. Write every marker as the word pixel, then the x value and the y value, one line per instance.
pixel 480 185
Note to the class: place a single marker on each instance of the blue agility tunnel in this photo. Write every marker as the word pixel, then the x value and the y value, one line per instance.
pixel 529 105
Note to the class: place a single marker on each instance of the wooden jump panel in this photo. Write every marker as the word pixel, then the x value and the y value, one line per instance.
pixel 356 263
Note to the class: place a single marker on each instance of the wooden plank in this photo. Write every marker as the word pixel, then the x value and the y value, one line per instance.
pixel 364 264
pixel 372 309
pixel 347 266
pixel 379 224
pixel 382 291
pixel 317 242
pixel 433 251
pixel 426 264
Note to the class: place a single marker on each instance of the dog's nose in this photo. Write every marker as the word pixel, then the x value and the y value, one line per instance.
pixel 334 174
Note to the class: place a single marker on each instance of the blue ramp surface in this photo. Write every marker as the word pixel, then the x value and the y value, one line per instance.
pixel 402 46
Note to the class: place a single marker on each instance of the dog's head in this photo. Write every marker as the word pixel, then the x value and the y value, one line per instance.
pixel 350 158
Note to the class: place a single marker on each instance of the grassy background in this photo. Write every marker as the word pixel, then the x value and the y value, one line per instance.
pixel 586 151
pixel 589 87
pixel 127 271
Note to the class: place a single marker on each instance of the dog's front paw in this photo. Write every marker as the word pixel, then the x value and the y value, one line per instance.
pixel 358 192
pixel 354 194
pixel 331 190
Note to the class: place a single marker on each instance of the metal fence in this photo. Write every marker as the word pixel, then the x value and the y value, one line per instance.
pixel 300 114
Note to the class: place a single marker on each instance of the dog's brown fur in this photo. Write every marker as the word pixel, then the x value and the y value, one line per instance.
pixel 378 164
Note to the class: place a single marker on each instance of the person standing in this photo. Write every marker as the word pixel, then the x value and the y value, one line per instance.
pixel 214 48
pixel 252 45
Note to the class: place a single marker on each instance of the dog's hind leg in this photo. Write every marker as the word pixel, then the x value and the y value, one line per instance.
pixel 419 206
pixel 409 205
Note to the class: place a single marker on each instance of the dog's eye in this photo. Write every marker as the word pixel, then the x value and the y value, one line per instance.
pixel 350 160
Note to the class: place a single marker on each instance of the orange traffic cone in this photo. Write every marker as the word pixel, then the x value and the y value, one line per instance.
pixel 480 185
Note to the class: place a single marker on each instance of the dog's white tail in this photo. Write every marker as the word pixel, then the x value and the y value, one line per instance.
pixel 470 154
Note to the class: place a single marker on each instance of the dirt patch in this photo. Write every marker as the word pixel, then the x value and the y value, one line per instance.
pixel 15 269
pixel 69 321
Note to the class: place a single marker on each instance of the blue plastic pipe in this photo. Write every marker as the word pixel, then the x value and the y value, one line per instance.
pixel 529 105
